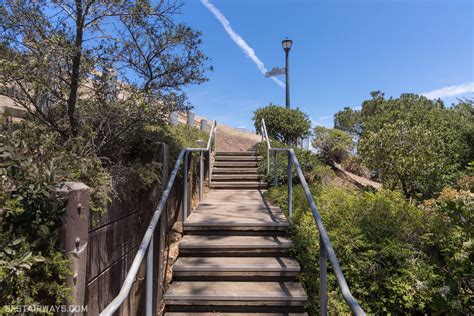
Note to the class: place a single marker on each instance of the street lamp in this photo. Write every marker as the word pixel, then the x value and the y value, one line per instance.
pixel 286 43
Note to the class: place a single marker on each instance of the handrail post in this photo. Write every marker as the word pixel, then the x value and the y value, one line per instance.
pixel 210 167
pixel 275 170
pixel 290 186
pixel 201 175
pixel 268 160
pixel 185 187
pixel 323 279
pixel 215 138
pixel 149 278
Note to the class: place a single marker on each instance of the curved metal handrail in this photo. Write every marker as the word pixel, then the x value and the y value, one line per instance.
pixel 326 249
pixel 146 246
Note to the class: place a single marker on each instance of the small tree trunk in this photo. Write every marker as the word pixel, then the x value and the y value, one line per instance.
pixel 75 73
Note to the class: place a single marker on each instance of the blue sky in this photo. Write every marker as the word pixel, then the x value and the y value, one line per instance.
pixel 342 50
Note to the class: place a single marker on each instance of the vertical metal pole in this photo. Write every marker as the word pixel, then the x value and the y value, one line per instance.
pixel 323 280
pixel 215 138
pixel 275 170
pixel 287 72
pixel 290 186
pixel 201 176
pixel 149 279
pixel 185 187
pixel 210 167
pixel 268 160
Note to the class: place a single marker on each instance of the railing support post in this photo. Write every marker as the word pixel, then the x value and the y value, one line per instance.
pixel 201 176
pixel 268 160
pixel 275 170
pixel 185 187
pixel 215 138
pixel 210 168
pixel 290 186
pixel 149 279
pixel 323 279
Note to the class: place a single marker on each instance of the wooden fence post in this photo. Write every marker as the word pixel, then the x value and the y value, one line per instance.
pixel 74 238
pixel 203 125
pixel 174 118
pixel 191 119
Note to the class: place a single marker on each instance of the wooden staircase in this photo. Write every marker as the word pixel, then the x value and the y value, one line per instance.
pixel 235 256
pixel 236 170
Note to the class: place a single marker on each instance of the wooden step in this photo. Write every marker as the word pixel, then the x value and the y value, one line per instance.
pixel 236 164
pixel 235 268
pixel 243 296
pixel 239 158
pixel 239 185
pixel 236 153
pixel 235 217
pixel 235 177
pixel 216 171
pixel 218 246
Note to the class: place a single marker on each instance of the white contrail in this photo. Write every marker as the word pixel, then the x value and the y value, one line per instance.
pixel 450 91
pixel 239 40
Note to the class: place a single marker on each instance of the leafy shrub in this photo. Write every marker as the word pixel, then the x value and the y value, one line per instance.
pixel 451 246
pixel 397 258
pixel 284 125
pixel 32 267
pixel 313 169
pixel 333 145
pixel 34 161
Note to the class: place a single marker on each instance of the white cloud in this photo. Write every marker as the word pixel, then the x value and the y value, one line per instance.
pixel 239 40
pixel 450 91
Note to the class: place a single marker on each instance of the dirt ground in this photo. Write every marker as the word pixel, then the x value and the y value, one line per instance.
pixel 233 139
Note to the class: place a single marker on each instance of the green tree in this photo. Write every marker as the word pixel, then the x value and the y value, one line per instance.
pixel 348 120
pixel 53 52
pixel 413 142
pixel 333 145
pixel 284 125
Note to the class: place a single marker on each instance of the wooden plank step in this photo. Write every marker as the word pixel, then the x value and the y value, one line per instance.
pixel 224 268
pixel 216 171
pixel 218 245
pixel 239 158
pixel 239 185
pixel 236 153
pixel 236 164
pixel 235 201
pixel 199 293
pixel 233 176
pixel 235 217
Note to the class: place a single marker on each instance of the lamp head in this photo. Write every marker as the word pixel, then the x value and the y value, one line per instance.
pixel 286 43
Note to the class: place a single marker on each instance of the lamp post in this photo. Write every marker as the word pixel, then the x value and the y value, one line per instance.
pixel 286 43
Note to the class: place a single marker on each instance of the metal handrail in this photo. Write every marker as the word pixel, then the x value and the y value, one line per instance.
pixel 325 247
pixel 146 246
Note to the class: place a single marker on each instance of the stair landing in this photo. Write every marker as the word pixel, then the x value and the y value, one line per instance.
pixel 235 210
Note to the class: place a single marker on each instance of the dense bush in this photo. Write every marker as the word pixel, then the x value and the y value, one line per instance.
pixel 34 161
pixel 413 143
pixel 314 170
pixel 451 247
pixel 397 258
pixel 283 124
pixel 333 145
